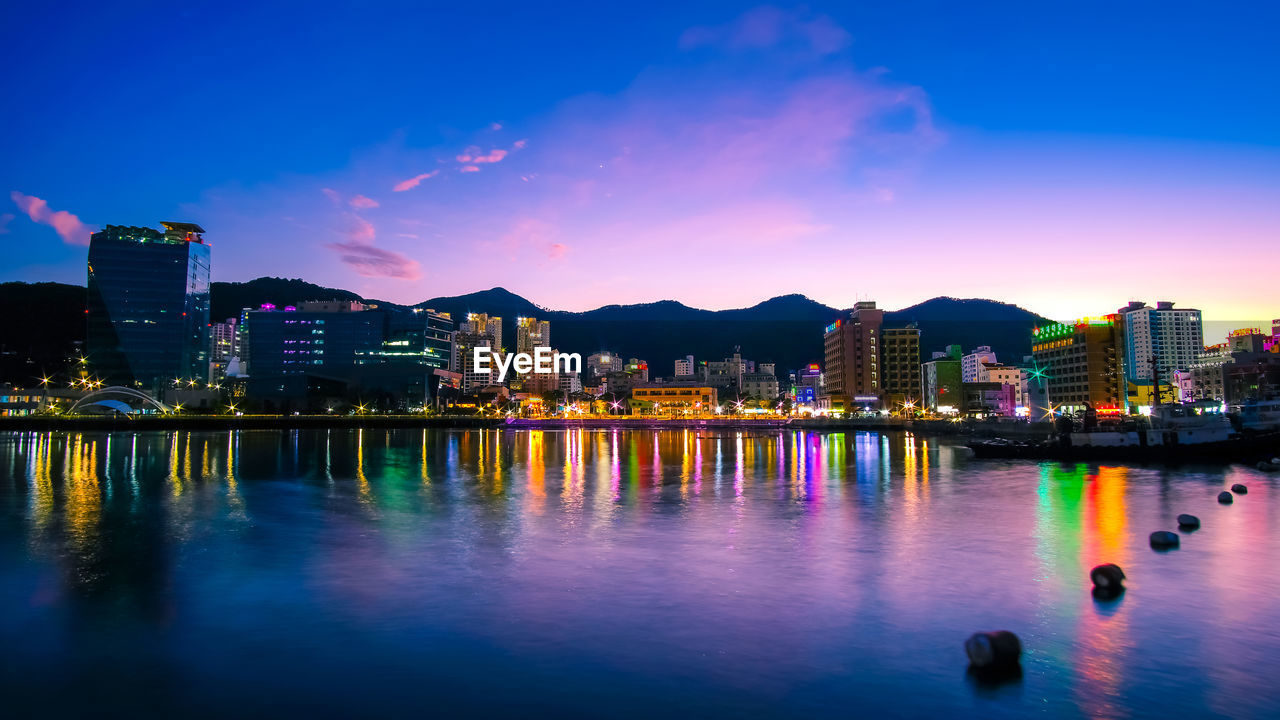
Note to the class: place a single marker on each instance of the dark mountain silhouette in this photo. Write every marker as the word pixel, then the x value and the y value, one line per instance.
pixel 41 325
pixel 226 299
pixel 786 330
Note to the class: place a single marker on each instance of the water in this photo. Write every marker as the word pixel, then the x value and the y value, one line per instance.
pixel 621 574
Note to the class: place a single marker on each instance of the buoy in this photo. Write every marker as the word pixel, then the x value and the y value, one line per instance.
pixel 1188 522
pixel 1225 498
pixel 1107 577
pixel 1239 489
pixel 1164 540
pixel 993 650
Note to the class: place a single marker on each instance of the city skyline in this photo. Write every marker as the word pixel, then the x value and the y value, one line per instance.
pixel 630 169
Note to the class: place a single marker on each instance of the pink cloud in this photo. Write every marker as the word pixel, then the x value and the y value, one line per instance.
pixel 360 202
pixel 495 126
pixel 68 226
pixel 469 168
pixel 520 144
pixel 494 156
pixel 557 250
pixel 359 253
pixel 370 261
pixel 414 181
pixel 5 219
pixel 333 195
pixel 472 155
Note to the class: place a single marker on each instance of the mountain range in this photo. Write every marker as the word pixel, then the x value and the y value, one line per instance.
pixel 44 322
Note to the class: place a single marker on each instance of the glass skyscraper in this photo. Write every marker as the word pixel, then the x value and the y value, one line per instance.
pixel 148 305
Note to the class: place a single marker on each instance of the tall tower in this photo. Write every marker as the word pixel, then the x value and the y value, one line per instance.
pixel 148 305
pixel 532 333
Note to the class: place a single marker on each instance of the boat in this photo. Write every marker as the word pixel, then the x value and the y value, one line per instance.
pixel 1259 415
pixel 1174 431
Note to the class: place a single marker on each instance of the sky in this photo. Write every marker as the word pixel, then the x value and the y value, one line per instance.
pixel 1065 157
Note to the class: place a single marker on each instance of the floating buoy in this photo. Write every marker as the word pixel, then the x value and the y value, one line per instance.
pixel 1107 577
pixel 1164 540
pixel 1188 522
pixel 993 650
pixel 1225 498
pixel 1239 489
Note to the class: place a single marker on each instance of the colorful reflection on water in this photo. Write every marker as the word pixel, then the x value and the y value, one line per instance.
pixel 621 573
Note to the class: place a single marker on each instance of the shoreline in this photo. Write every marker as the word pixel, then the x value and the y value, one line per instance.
pixel 302 422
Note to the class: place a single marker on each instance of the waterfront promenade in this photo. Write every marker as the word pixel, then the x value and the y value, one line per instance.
pixel 135 423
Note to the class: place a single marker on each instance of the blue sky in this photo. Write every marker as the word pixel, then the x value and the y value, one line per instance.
pixel 768 134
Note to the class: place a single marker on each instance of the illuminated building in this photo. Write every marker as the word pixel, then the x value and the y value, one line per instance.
pixel 601 364
pixel 531 333
pixel 489 326
pixel 148 305
pixel 224 344
pixel 1005 375
pixel 900 367
pixel 310 339
pixel 1242 368
pixel 852 357
pixel 1081 363
pixel 1172 337
pixel 413 361
pixel 971 364
pixel 478 330
pixel 668 400
pixel 334 347
pixel 637 367
pixel 943 382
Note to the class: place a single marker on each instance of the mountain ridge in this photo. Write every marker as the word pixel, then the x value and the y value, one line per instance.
pixel 785 329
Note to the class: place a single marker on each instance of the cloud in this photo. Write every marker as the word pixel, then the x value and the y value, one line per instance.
pixel 469 168
pixel 495 126
pixel 68 226
pixel 333 195
pixel 493 157
pixel 360 202
pixel 520 144
pixel 5 219
pixel 414 181
pixel 370 261
pixel 771 27
pixel 359 253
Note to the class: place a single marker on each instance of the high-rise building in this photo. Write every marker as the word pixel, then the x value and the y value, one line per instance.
pixel 148 305
pixel 900 368
pixel 1162 338
pixel 852 358
pixel 490 326
pixel 1081 363
pixel 971 364
pixel 531 334
pixel 478 330
pixel 224 344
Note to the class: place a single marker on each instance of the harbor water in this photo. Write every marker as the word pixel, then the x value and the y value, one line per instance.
pixel 618 573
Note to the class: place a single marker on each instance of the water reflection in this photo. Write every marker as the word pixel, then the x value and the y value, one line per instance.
pixel 724 563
